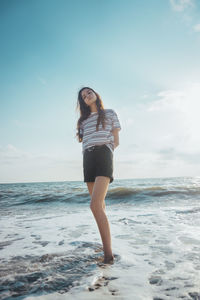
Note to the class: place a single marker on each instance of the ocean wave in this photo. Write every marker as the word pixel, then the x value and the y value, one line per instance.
pixel 80 195
pixel 155 191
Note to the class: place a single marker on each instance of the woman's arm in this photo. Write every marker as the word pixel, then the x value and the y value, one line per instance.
pixel 115 133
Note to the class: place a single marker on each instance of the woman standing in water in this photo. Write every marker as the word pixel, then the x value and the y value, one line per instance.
pixel 98 130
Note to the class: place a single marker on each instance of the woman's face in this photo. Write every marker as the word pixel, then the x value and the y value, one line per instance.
pixel 88 96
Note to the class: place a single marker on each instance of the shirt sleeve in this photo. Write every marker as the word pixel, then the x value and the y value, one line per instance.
pixel 115 121
pixel 81 129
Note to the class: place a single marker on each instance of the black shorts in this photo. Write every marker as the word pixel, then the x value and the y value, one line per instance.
pixel 97 161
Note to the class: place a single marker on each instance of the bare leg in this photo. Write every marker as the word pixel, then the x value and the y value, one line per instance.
pixel 90 186
pixel 99 191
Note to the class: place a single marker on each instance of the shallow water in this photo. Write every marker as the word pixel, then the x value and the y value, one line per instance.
pixel 50 247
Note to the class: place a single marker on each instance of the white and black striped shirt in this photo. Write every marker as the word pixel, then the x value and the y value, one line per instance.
pixel 91 137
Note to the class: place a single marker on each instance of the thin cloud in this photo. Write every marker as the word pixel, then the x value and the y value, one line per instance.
pixel 181 5
pixel 42 80
pixel 197 28
pixel 178 112
pixel 10 154
pixel 172 154
pixel 21 124
pixel 21 166
pixel 165 129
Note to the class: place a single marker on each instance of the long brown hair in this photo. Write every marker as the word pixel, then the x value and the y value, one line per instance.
pixel 85 112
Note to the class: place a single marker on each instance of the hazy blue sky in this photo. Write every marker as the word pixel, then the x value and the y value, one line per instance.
pixel 142 57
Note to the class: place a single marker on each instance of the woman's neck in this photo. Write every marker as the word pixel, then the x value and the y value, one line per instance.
pixel 93 107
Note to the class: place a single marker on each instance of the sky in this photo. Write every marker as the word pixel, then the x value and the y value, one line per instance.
pixel 142 57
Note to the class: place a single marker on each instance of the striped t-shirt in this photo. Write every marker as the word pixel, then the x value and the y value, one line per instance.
pixel 91 137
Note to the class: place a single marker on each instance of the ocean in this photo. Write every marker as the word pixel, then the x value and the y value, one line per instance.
pixel 50 246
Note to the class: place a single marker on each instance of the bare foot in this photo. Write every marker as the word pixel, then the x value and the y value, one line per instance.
pixel 109 260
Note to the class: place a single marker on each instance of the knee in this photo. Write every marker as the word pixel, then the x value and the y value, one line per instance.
pixel 95 208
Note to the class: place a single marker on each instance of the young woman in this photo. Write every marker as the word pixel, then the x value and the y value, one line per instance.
pixel 98 131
